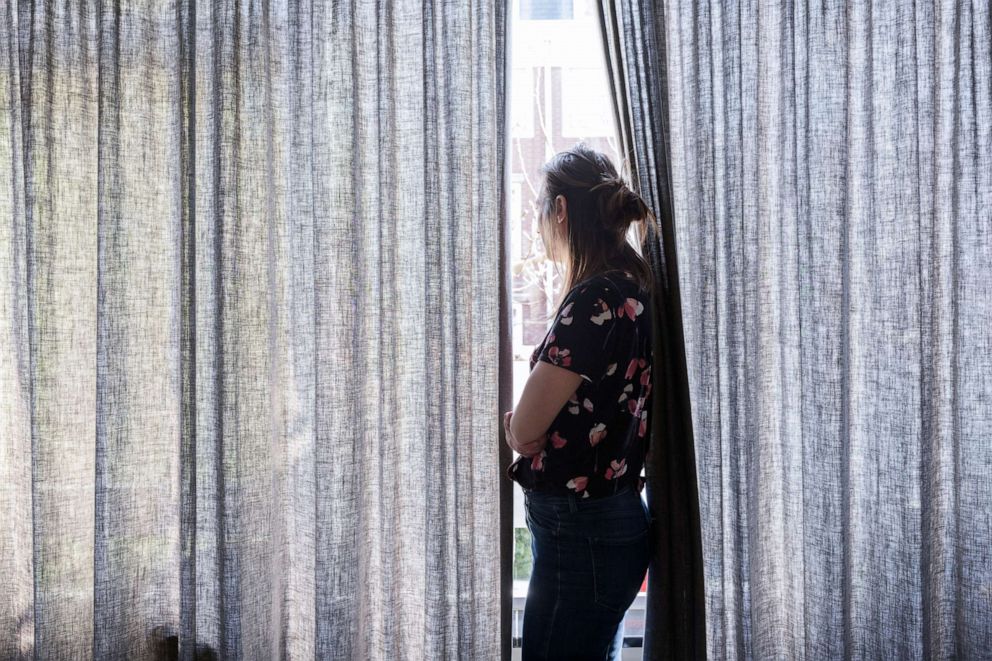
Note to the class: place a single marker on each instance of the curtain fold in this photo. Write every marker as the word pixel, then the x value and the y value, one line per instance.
pixel 831 178
pixel 249 398
pixel 675 617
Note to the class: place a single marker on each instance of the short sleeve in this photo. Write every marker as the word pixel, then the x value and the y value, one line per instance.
pixel 583 336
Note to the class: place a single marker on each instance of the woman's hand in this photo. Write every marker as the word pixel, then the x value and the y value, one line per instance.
pixel 528 449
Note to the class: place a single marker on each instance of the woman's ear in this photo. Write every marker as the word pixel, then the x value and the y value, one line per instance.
pixel 561 208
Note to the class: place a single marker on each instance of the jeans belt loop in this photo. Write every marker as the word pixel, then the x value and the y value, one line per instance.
pixel 572 503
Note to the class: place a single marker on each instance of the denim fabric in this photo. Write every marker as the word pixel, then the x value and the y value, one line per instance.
pixel 589 559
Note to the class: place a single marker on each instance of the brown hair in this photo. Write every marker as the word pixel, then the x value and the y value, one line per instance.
pixel 601 208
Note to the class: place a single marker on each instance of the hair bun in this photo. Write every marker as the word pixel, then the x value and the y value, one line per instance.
pixel 619 205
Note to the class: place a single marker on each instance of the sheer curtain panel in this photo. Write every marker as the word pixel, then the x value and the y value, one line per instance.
pixel 249 273
pixel 831 179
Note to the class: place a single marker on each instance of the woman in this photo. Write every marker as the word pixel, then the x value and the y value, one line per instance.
pixel 581 425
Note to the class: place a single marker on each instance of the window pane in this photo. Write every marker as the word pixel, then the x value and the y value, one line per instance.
pixel 585 101
pixel 522 100
pixel 545 9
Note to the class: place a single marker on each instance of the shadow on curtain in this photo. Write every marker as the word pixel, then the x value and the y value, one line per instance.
pixel 247 389
pixel 831 192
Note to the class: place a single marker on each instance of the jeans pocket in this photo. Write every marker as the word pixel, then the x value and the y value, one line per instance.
pixel 540 520
pixel 619 565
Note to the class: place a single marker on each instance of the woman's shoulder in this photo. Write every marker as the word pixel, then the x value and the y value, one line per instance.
pixel 614 287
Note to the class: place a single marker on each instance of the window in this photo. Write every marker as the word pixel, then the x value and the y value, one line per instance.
pixel 522 98
pixel 559 94
pixel 585 100
pixel 545 9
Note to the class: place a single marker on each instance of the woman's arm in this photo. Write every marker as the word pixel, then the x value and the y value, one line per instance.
pixel 547 390
pixel 578 345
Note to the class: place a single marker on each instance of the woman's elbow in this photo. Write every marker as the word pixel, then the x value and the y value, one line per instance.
pixel 526 429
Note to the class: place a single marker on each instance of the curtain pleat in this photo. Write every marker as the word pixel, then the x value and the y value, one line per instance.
pixel 249 370
pixel 831 170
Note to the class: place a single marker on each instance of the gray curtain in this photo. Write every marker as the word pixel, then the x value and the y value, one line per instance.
pixel 249 255
pixel 675 616
pixel 831 178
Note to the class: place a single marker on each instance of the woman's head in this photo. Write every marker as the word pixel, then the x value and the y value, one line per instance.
pixel 584 213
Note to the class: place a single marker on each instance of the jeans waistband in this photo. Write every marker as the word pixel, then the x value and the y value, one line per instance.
pixel 574 501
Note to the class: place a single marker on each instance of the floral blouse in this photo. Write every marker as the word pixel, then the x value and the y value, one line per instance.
pixel 598 440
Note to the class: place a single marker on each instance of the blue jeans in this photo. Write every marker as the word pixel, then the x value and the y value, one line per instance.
pixel 589 560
